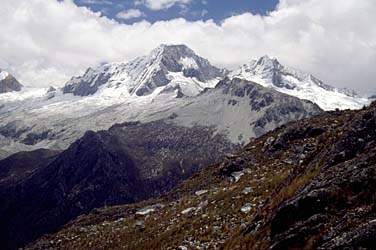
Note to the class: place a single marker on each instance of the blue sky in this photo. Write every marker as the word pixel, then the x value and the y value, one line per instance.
pixel 192 10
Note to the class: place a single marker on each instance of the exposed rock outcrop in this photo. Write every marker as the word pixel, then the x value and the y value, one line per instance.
pixel 8 83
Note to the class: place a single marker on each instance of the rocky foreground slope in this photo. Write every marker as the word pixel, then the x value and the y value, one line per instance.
pixel 307 185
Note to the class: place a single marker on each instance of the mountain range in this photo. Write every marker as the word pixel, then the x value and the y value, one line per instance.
pixel 130 131
pixel 171 80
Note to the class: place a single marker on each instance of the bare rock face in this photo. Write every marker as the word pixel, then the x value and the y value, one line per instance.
pixel 8 83
pixel 273 108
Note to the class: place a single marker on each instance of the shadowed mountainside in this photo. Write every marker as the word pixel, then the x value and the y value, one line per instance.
pixel 42 190
pixel 306 185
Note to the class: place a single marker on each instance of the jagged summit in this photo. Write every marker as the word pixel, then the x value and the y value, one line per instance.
pixel 173 49
pixel 178 69
pixel 269 72
pixel 8 83
pixel 268 62
pixel 175 65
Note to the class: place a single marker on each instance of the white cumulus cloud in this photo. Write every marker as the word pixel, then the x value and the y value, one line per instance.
pixel 46 42
pixel 130 14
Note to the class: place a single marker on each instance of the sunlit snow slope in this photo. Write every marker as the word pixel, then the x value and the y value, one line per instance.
pixel 270 73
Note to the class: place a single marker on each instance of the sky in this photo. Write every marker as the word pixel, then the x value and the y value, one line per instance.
pixel 131 11
pixel 46 42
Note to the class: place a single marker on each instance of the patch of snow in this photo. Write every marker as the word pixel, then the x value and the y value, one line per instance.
pixel 188 63
pixel 3 75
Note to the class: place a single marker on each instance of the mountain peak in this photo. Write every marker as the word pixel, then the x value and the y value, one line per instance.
pixel 173 51
pixel 8 83
pixel 268 62
pixel 269 72
pixel 167 62
pixel 164 65
pixel 169 47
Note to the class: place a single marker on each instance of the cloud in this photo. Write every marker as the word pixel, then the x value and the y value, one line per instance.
pixel 97 2
pixel 47 42
pixel 129 14
pixel 199 13
pixel 162 4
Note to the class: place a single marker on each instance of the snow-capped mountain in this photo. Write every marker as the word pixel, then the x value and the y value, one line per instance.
pixel 8 83
pixel 175 67
pixel 236 108
pixel 270 73
pixel 174 84
pixel 192 95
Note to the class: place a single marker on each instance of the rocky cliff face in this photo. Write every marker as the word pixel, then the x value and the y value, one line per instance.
pixel 42 190
pixel 8 83
pixel 267 109
pixel 306 185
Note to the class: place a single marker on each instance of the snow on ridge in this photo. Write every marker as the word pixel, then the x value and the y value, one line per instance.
pixel 144 74
pixel 3 75
pixel 189 63
pixel 268 72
